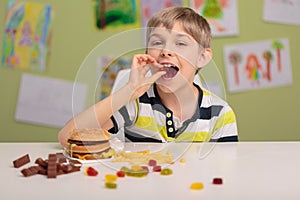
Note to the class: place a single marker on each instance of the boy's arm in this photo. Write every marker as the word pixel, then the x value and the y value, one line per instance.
pixel 99 114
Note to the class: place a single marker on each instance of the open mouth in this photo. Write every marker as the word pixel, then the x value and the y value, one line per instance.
pixel 171 70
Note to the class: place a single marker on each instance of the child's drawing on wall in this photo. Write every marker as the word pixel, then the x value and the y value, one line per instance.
pixel 116 14
pixel 111 69
pixel 27 35
pixel 221 15
pixel 258 65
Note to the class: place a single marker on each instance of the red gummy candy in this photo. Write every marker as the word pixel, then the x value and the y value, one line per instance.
pixel 217 181
pixel 145 168
pixel 157 168
pixel 90 171
pixel 121 174
pixel 152 163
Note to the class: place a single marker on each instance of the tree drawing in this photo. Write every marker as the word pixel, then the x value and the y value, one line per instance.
pixel 268 56
pixel 278 46
pixel 235 58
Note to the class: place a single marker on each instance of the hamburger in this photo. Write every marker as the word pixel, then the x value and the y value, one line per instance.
pixel 89 144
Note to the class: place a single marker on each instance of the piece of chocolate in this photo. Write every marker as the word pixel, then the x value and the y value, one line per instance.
pixel 52 167
pixel 30 171
pixel 21 161
pixel 41 162
pixel 75 163
pixel 42 171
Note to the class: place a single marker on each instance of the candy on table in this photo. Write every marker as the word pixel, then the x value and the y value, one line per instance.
pixel 196 186
pixel 75 163
pixel 166 171
pixel 182 160
pixel 52 166
pixel 136 167
pixel 157 168
pixel 152 162
pixel 110 178
pixel 134 173
pixel 120 174
pixel 30 171
pixel 145 168
pixel 110 185
pixel 217 181
pixel 90 171
pixel 21 161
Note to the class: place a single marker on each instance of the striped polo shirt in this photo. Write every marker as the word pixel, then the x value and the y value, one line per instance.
pixel 147 120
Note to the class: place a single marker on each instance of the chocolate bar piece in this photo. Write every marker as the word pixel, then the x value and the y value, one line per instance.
pixel 61 157
pixel 21 161
pixel 75 163
pixel 30 171
pixel 41 162
pixel 52 167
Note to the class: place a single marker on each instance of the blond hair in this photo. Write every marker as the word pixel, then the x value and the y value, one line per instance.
pixel 192 23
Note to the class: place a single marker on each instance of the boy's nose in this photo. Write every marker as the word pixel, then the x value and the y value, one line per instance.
pixel 165 53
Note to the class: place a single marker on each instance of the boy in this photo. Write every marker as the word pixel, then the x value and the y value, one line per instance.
pixel 167 105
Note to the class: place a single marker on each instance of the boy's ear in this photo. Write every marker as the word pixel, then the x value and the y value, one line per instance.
pixel 205 57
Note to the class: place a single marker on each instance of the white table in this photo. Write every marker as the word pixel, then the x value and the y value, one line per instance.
pixel 250 170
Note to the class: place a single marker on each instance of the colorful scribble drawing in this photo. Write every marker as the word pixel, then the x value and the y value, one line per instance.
pixel 112 67
pixel 115 13
pixel 27 35
pixel 268 57
pixel 235 59
pixel 278 46
pixel 256 65
pixel 253 69
pixel 153 6
pixel 212 10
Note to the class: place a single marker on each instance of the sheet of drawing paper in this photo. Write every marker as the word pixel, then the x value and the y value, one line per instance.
pixel 117 15
pixel 256 65
pixel 49 101
pixel 27 35
pixel 149 8
pixel 222 15
pixel 282 11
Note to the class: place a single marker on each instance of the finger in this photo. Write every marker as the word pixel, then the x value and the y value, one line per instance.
pixel 156 76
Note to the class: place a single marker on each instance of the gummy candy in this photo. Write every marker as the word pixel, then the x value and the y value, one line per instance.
pixel 90 171
pixel 152 162
pixel 145 168
pixel 135 173
pixel 120 173
pixel 110 185
pixel 196 186
pixel 217 181
pixel 157 168
pixel 136 167
pixel 110 178
pixel 166 171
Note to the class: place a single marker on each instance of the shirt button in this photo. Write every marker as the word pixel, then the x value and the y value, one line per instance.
pixel 168 114
pixel 169 122
pixel 171 129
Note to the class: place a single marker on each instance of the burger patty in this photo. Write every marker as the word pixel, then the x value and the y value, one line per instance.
pixel 86 143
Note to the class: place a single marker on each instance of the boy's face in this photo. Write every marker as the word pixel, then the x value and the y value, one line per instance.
pixel 177 51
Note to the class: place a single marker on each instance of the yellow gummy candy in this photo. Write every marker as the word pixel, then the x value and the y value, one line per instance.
pixel 110 178
pixel 196 186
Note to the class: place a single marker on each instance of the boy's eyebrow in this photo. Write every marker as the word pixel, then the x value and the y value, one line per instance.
pixel 177 35
pixel 154 35
pixel 183 35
